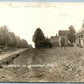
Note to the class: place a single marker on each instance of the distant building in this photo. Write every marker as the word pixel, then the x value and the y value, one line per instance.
pixel 80 37
pixel 63 36
pixel 61 39
pixel 54 40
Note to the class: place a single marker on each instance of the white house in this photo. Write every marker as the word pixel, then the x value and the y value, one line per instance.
pixel 80 37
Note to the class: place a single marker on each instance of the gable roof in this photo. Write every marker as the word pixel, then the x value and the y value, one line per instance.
pixel 63 32
pixel 80 31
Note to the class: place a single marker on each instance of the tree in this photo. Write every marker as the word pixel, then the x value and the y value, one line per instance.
pixel 47 43
pixel 3 35
pixel 11 39
pixel 71 35
pixel 24 43
pixel 17 42
pixel 38 38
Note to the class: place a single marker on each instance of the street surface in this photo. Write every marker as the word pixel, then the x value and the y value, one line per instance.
pixel 45 65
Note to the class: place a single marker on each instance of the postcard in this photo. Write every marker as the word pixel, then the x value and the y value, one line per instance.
pixel 41 41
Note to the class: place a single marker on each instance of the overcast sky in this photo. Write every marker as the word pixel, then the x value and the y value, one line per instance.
pixel 23 18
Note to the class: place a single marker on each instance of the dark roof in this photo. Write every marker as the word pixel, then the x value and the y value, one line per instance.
pixel 63 32
pixel 54 36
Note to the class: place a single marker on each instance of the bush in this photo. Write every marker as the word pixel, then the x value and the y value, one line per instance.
pixel 47 43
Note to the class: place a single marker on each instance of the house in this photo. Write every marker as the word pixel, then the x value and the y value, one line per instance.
pixel 54 40
pixel 80 37
pixel 63 40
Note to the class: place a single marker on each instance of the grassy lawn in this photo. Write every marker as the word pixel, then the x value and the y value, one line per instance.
pixel 66 65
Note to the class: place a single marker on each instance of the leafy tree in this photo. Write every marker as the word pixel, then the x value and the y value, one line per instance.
pixel 24 43
pixel 11 39
pixel 3 35
pixel 2 39
pixel 71 35
pixel 47 42
pixel 38 38
pixel 17 42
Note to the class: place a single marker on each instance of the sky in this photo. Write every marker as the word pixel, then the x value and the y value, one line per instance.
pixel 23 18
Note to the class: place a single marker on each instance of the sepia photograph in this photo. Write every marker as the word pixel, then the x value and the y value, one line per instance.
pixel 41 41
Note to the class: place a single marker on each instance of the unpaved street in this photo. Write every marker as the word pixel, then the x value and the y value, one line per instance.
pixel 63 66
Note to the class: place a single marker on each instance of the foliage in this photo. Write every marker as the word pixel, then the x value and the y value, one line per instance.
pixel 3 35
pixel 40 40
pixel 24 43
pixel 9 39
pixel 71 35
pixel 47 42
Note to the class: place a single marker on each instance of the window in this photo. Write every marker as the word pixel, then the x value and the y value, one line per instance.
pixel 81 36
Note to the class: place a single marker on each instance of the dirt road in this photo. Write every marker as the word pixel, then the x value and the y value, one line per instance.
pixel 46 65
